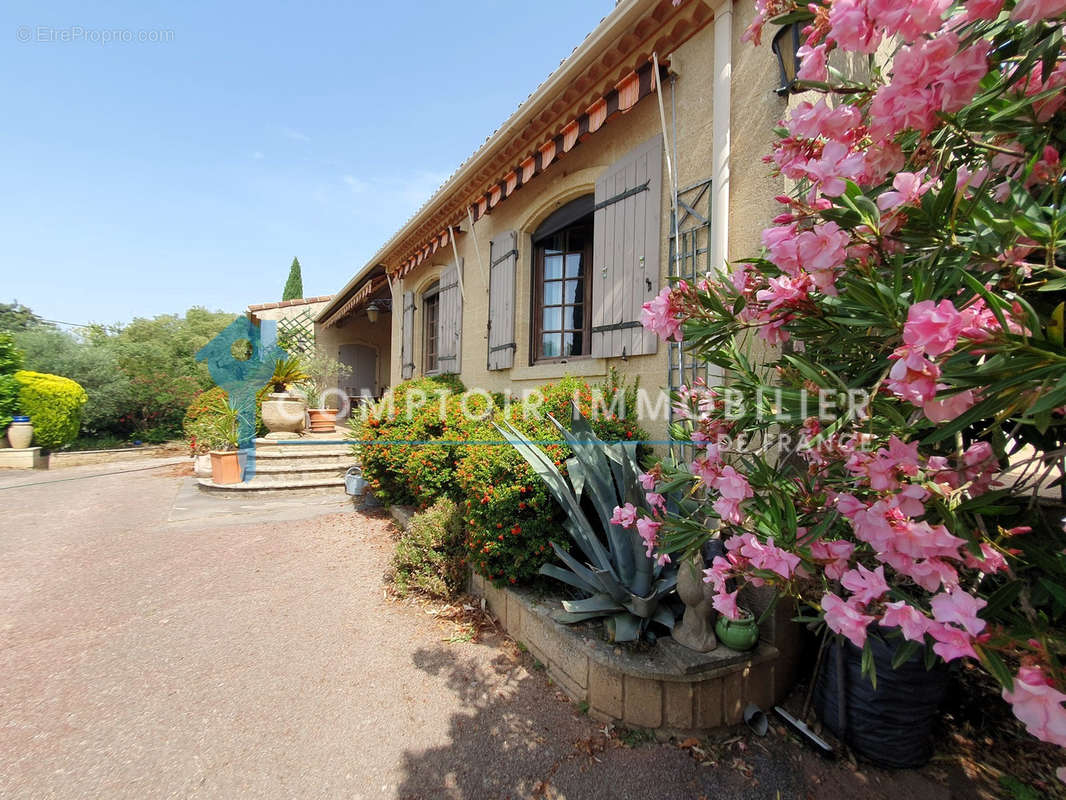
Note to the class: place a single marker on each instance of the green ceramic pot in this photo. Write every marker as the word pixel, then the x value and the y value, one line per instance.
pixel 738 634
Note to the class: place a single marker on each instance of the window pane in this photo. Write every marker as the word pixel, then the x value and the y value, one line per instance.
pixel 573 265
pixel 553 293
pixel 574 293
pixel 575 317
pixel 551 345
pixel 553 266
pixel 553 319
pixel 571 344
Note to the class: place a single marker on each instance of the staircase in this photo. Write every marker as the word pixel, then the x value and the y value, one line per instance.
pixel 311 464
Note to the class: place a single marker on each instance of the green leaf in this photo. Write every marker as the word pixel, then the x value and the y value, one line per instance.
pixel 995 666
pixel 905 652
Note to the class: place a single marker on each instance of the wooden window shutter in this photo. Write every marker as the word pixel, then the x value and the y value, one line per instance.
pixel 625 251
pixel 407 337
pixel 503 261
pixel 450 320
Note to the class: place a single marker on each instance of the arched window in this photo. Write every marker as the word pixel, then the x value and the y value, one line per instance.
pixel 562 258
pixel 431 329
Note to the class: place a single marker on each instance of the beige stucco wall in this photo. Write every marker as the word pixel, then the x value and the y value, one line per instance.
pixel 359 330
pixel 755 109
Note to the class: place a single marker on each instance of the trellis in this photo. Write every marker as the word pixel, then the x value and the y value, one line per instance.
pixel 296 334
pixel 689 260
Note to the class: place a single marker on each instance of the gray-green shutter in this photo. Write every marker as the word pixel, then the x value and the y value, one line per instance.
pixel 503 260
pixel 450 320
pixel 625 251
pixel 407 337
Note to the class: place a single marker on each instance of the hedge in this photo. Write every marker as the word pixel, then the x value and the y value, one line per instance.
pixel 511 519
pixel 53 404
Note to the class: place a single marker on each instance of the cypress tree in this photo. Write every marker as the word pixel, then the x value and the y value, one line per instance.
pixel 294 286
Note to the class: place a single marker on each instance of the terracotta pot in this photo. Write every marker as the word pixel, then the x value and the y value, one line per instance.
pixel 323 420
pixel 20 433
pixel 738 634
pixel 226 467
pixel 283 413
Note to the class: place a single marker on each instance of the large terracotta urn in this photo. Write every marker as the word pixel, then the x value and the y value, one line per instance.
pixel 283 415
pixel 20 433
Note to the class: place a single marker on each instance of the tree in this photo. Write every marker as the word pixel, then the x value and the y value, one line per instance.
pixel 17 317
pixel 294 286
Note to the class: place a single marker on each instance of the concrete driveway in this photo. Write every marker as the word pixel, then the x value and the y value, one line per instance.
pixel 153 648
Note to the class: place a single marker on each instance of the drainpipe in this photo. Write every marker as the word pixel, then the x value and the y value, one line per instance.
pixel 721 99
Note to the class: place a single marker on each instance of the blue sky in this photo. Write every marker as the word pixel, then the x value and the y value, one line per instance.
pixel 146 177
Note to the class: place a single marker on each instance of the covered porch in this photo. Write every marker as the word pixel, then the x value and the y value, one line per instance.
pixel 356 329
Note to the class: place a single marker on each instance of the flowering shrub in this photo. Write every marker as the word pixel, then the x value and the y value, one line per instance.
pixel 892 461
pixel 510 517
pixel 399 464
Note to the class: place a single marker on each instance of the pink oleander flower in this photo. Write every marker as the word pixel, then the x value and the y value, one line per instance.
pixel 908 18
pixel 784 292
pixel 624 516
pixel 990 562
pixel 655 500
pixel 647 481
pixel 851 27
pixel 913 377
pixel 1038 705
pixel 951 407
pixel 865 585
pixel 933 327
pixel 725 603
pixel 781 242
pixel 837 553
pixel 718 573
pixel 812 66
pixel 662 314
pixel 951 642
pixel 766 555
pixel 883 469
pixel 908 188
pixel 821 251
pixel 983 9
pixel 1034 11
pixel 818 120
pixel 845 619
pixel 836 164
pixel 648 530
pixel 959 607
pixel 911 622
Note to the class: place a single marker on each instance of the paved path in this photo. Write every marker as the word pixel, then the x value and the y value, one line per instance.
pixel 152 651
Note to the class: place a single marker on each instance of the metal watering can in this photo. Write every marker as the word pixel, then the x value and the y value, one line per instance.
pixel 354 482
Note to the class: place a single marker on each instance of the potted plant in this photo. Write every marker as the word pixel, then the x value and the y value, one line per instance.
pixel 215 433
pixel 323 374
pixel 284 412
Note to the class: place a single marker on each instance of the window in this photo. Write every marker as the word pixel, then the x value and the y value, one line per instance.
pixel 562 255
pixel 431 328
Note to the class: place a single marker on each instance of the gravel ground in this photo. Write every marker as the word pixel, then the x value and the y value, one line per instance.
pixel 246 657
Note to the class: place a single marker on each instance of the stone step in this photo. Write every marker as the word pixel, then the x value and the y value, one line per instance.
pixel 299 447
pixel 305 457
pixel 257 486
pixel 282 473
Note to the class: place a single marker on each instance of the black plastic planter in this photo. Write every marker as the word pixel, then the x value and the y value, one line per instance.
pixel 891 725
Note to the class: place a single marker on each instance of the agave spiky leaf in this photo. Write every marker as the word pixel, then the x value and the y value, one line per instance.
pixel 622 582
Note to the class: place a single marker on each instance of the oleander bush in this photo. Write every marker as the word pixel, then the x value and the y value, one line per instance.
pixel 53 404
pixel 430 556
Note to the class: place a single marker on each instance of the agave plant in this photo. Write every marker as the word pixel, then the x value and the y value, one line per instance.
pixel 621 582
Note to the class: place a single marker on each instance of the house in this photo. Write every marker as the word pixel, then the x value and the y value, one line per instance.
pixel 533 259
